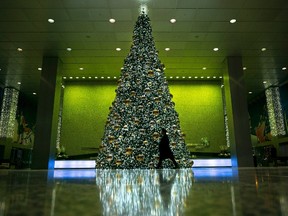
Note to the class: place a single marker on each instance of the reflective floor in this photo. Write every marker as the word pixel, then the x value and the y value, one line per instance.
pixel 197 191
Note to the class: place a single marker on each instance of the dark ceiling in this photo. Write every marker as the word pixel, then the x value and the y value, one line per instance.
pixel 83 26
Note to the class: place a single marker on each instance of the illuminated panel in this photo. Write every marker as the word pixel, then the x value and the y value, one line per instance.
pixel 90 164
pixel 275 113
pixel 74 164
pixel 8 112
pixel 212 163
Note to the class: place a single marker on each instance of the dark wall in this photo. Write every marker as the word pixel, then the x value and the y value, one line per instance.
pixel 259 121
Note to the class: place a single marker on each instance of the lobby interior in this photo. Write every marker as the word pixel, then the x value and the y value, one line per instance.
pixel 226 67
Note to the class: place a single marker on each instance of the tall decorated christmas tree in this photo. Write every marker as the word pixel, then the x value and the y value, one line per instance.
pixel 142 107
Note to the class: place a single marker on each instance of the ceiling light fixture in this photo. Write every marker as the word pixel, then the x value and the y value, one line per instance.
pixel 64 77
pixel 40 69
pixel 204 68
pixel 202 77
pixel 220 77
pixel 173 20
pixel 244 68
pixel 167 49
pixel 208 77
pixel 69 49
pixel 83 77
pixel 216 49
pixel 263 49
pixel 89 77
pixel 81 68
pixel 118 49
pixel 196 77
pixel 214 77
pixel 284 68
pixel 112 20
pixel 19 49
pixel 250 92
pixel 264 82
pixel 19 83
pixel 77 77
pixel 34 93
pixel 70 77
pixel 51 20
pixel 233 21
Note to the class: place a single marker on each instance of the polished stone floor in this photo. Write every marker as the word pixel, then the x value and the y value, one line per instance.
pixel 197 191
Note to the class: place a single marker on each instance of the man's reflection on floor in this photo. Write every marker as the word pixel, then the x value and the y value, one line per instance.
pixel 166 183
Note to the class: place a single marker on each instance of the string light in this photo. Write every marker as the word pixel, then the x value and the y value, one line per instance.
pixel 8 112
pixel 275 113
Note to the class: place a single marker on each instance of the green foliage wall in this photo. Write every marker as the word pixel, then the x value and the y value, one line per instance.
pixel 200 108
pixel 86 107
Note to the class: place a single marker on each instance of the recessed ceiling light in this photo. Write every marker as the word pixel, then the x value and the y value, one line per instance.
pixel 69 49
pixel 173 20
pixel 220 77
pixel 177 77
pixel 102 77
pixel 216 49
pixel 189 77
pixel 244 68
pixel 196 77
pixel 214 77
pixel 264 82
pixel 40 69
pixel 19 49
pixel 115 77
pixel 222 86
pixel 183 77
pixel 208 77
pixel 34 93
pixel 51 20
pixel 112 20
pixel 96 77
pixel 202 77
pixel 89 77
pixel 118 49
pixel 70 77
pixel 171 77
pixel 64 77
pixel 108 77
pixel 81 68
pixel 263 49
pixel 19 83
pixel 167 49
pixel 233 21
pixel 77 77
pixel 83 77
pixel 284 68
pixel 250 92
pixel 204 68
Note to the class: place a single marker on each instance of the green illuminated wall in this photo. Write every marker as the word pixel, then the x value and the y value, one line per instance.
pixel 86 107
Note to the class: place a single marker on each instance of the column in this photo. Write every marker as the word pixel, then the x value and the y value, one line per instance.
pixel 47 114
pixel 237 113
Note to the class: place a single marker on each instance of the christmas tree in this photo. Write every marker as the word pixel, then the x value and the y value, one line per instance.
pixel 142 107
